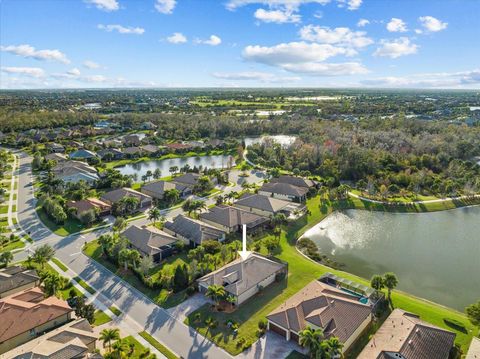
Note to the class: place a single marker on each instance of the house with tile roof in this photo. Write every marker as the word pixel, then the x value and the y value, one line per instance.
pixel 268 206
pixel 295 181
pixel 117 195
pixel 27 314
pixel 404 335
pixel 74 340
pixel 157 189
pixel 192 231
pixel 78 208
pixel 321 306
pixel 75 171
pixel 230 219
pixel 150 242
pixel 15 279
pixel 284 191
pixel 82 154
pixel 243 278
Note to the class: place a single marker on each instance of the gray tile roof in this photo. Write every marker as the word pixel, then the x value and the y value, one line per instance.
pixel 117 194
pixel 148 241
pixel 240 275
pixel 159 187
pixel 405 334
pixel 189 179
pixel 263 203
pixel 15 277
pixel 193 230
pixel 295 181
pixel 284 188
pixel 231 217
pixel 339 314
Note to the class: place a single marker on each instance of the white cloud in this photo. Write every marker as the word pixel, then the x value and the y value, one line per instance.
pixel 122 29
pixel 165 6
pixel 27 71
pixel 213 40
pixel 94 78
pixel 396 48
pixel 462 79
pixel 290 4
pixel 254 76
pixel 29 51
pixel 431 24
pixel 396 25
pixel 350 4
pixel 340 35
pixel 363 22
pixel 74 72
pixel 277 16
pixel 302 57
pixel 91 65
pixel 177 38
pixel 105 5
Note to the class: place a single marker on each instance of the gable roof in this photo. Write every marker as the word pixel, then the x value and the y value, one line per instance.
pixel 406 334
pixel 159 187
pixel 150 148
pixel 82 153
pixel 59 157
pixel 284 188
pixel 69 166
pixel 193 230
pixel 120 193
pixel 148 241
pixel 336 312
pixel 294 181
pixel 15 277
pixel 29 309
pixel 189 179
pixel 230 217
pixel 240 275
pixel 264 203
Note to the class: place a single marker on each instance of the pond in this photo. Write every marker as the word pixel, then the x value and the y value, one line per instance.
pixel 435 255
pixel 141 168
pixel 284 140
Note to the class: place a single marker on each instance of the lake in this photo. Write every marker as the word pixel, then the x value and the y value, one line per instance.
pixel 284 140
pixel 435 255
pixel 141 168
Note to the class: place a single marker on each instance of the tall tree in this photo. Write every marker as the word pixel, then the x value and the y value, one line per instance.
pixel 391 281
pixel 108 335
pixel 43 254
pixel 310 339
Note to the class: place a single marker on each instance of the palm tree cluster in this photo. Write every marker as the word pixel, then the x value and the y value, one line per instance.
pixel 318 346
pixel 193 205
pixel 118 348
pixel 388 280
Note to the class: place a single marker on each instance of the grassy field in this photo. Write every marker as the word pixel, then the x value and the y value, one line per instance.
pixel 10 246
pixel 138 349
pixel 157 345
pixel 162 297
pixel 301 272
pixel 115 311
pixel 84 285
pixel 4 209
pixel 70 226
pixel 60 264
pixel 101 318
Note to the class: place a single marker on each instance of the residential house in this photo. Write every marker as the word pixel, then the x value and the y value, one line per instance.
pixel 295 181
pixel 75 171
pixel 474 350
pixel 194 144
pixel 82 154
pixel 27 314
pixel 103 124
pixel 117 195
pixel 192 231
pixel 15 279
pixel 157 189
pixel 57 157
pixel 216 143
pixel 79 208
pixel 243 278
pixel 112 154
pixel 188 179
pixel 231 219
pixel 132 152
pixel 132 140
pixel 404 335
pixel 178 147
pixel 150 150
pixel 321 306
pixel 148 126
pixel 74 340
pixel 284 191
pixel 151 242
pixel 268 206
pixel 55 148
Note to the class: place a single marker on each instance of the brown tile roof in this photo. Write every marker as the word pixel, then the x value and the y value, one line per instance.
pixel 27 310
pixel 405 334
pixel 231 217
pixel 336 312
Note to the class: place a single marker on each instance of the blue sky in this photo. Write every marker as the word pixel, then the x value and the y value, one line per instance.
pixel 239 43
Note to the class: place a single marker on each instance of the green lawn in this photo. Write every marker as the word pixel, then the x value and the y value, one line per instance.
pixel 301 272
pixel 138 348
pixel 162 297
pixel 84 285
pixel 10 246
pixel 60 264
pixel 101 318
pixel 70 226
pixel 3 209
pixel 157 345
pixel 115 311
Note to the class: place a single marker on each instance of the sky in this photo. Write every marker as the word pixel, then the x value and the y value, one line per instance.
pixel 239 43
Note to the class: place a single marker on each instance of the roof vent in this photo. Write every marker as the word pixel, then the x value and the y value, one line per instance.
pixel 410 342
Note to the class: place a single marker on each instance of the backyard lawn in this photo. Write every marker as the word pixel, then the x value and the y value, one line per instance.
pixel 70 226
pixel 101 318
pixel 162 297
pixel 301 272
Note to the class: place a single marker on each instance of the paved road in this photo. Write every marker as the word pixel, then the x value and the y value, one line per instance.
pixel 182 339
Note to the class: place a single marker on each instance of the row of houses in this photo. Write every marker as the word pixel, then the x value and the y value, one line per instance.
pixel 33 326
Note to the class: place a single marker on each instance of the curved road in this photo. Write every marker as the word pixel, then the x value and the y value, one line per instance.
pixel 177 336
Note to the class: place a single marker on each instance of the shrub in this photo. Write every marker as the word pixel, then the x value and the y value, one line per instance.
pixel 262 324
pixel 190 290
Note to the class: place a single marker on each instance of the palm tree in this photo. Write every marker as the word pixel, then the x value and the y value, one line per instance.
pixel 377 282
pixel 124 256
pixel 108 335
pixel 43 254
pixel 210 323
pixel 134 257
pixel 216 293
pixel 157 174
pixel 311 338
pixel 120 349
pixel 106 241
pixel 119 225
pixel 154 215
pixel 6 257
pixel 391 281
pixel 334 347
pixel 172 195
pixel 52 284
